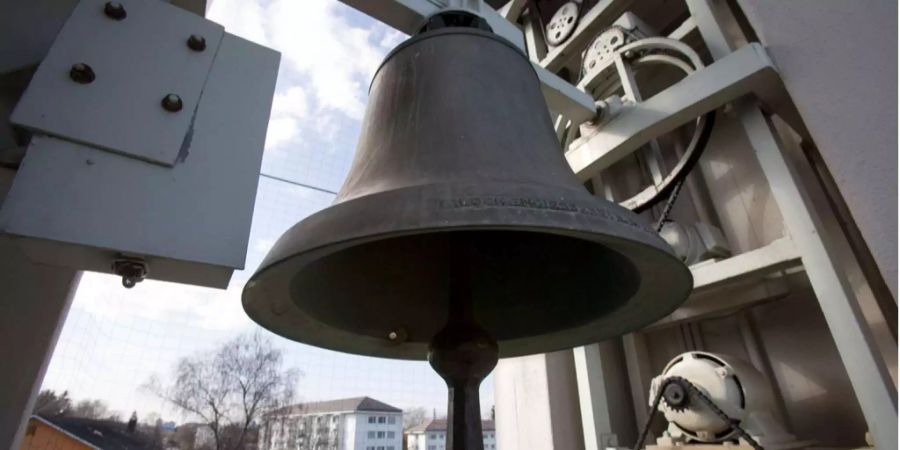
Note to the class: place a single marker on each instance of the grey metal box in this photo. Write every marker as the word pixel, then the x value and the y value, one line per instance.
pixel 82 206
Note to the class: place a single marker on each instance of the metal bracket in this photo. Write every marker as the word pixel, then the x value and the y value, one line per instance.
pixel 126 82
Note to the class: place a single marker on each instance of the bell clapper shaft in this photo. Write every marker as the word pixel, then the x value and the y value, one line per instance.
pixel 463 354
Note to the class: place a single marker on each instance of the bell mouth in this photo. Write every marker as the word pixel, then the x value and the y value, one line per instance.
pixel 541 279
pixel 522 283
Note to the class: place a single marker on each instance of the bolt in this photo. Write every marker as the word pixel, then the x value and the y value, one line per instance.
pixel 629 55
pixel 196 43
pixel 172 103
pixel 82 73
pixel 399 335
pixel 114 10
pixel 132 271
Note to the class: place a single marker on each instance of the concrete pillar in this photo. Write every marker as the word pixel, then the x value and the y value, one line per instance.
pixel 536 400
pixel 33 306
pixel 604 394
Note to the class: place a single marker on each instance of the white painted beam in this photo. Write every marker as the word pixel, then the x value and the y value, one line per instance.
pixel 868 374
pixel 513 9
pixel 746 70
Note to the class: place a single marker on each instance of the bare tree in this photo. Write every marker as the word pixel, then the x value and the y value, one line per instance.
pixel 230 388
pixel 49 403
pixel 90 409
pixel 413 417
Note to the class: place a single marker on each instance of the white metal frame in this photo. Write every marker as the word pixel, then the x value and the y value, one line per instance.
pixel 734 74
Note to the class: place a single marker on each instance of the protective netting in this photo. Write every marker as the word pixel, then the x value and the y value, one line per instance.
pixel 119 349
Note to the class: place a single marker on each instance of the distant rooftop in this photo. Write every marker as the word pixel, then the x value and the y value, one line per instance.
pixel 441 425
pixel 103 434
pixel 330 406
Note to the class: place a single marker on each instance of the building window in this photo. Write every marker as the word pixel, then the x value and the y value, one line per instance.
pixel 381 435
pixel 432 437
pixel 390 447
pixel 390 434
pixel 432 447
pixel 371 419
pixel 380 447
pixel 381 419
pixel 371 435
pixel 392 420
pixel 441 437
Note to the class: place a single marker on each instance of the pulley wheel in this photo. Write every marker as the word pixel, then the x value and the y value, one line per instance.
pixel 562 24
pixel 603 47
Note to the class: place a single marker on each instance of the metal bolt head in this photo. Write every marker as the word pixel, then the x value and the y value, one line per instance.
pixel 172 103
pixel 82 73
pixel 114 10
pixel 196 43
pixel 397 335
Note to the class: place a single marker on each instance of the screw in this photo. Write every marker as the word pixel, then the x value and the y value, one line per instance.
pixel 172 103
pixel 82 73
pixel 196 43
pixel 132 271
pixel 629 55
pixel 114 10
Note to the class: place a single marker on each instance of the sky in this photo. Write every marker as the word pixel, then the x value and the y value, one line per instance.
pixel 115 339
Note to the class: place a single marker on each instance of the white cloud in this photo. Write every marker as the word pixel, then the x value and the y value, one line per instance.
pixel 204 308
pixel 281 130
pixel 318 43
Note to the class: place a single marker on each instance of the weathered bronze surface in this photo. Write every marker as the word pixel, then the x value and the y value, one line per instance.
pixel 457 146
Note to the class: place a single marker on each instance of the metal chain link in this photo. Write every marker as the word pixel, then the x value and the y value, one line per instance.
pixel 695 392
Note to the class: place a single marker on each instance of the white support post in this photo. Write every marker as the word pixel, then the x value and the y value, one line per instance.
pixel 870 378
pixel 536 401
pixel 603 396
pixel 868 375
pixel 34 305
pixel 640 372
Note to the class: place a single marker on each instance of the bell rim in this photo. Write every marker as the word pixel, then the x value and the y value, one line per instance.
pixel 319 334
pixel 266 298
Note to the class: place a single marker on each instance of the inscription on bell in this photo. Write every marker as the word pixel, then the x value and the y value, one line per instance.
pixel 538 204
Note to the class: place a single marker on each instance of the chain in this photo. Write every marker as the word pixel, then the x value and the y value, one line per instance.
pixel 664 217
pixel 694 391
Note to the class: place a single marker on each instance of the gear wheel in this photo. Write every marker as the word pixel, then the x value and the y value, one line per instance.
pixel 677 394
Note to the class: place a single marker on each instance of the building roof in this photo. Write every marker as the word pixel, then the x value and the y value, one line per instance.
pixel 441 425
pixel 103 434
pixel 346 404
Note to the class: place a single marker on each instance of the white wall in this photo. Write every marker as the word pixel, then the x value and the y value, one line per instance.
pixel 363 428
pixel 838 60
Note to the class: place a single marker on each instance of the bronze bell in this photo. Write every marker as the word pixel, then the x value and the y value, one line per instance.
pixel 460 206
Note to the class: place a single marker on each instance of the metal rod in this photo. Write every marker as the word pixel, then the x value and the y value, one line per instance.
pixel 462 353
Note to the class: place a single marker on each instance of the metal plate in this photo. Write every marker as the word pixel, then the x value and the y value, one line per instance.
pixel 79 206
pixel 563 24
pixel 137 61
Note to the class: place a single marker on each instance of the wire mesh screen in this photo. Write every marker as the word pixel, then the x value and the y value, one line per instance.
pixel 122 354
